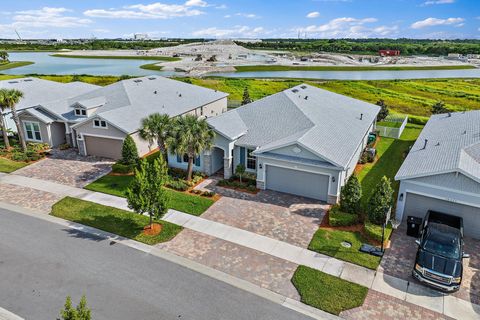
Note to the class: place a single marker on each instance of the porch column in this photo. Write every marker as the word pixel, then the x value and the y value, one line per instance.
pixel 207 162
pixel 227 167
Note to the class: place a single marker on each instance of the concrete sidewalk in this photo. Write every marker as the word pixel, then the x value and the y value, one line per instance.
pixel 407 291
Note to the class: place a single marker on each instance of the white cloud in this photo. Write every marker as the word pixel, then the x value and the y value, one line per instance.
pixel 247 15
pixel 348 27
pixel 227 16
pixel 155 10
pixel 221 6
pixel 235 32
pixel 430 22
pixel 432 2
pixel 314 14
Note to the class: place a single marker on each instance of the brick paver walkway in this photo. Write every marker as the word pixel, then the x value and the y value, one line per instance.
pixel 67 167
pixel 277 215
pixel 27 197
pixel 253 266
pixel 383 307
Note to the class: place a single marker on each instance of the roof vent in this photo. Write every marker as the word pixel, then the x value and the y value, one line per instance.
pixel 425 145
pixel 152 78
pixel 361 116
pixel 155 92
pixel 179 95
pixel 12 81
pixel 303 87
pixel 28 80
pixel 449 114
pixel 137 81
pixel 306 97
pixel 465 132
pixel 295 90
pixel 438 143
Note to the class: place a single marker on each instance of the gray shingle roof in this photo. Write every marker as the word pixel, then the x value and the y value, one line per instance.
pixel 38 91
pixel 453 145
pixel 324 122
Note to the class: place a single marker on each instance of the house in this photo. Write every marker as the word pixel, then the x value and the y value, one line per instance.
pixel 388 53
pixel 304 141
pixel 96 120
pixel 442 171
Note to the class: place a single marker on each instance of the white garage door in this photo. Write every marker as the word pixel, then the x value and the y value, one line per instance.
pixel 418 205
pixel 104 147
pixel 296 182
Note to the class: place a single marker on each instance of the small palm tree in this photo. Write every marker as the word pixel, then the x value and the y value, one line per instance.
pixel 156 128
pixel 190 136
pixel 3 126
pixel 10 97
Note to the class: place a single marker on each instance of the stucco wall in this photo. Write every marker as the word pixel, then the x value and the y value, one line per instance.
pixel 43 128
pixel 143 146
pixel 110 131
pixel 304 153
pixel 210 110
pixel 172 162
pixel 57 130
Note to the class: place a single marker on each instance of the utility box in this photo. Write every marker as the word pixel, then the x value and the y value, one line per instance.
pixel 413 226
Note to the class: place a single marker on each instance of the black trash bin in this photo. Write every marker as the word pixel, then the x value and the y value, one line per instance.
pixel 413 226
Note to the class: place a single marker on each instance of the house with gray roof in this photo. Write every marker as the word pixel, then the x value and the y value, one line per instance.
pixel 96 119
pixel 442 171
pixel 304 141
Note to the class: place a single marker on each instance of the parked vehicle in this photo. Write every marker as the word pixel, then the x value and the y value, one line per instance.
pixel 439 260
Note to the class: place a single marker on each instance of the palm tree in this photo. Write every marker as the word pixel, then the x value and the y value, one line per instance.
pixel 156 128
pixel 190 136
pixel 3 126
pixel 4 56
pixel 10 97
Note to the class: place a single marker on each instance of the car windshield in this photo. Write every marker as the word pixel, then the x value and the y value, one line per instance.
pixel 444 244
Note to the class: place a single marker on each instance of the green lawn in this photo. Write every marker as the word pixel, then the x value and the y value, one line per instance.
pixel 117 186
pixel 7 165
pixel 14 64
pixel 326 292
pixel 328 242
pixel 151 66
pixel 345 68
pixel 121 222
pixel 391 153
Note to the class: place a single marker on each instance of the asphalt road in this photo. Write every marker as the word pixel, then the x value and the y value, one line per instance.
pixel 41 263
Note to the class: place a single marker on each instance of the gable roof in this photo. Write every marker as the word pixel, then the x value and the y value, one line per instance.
pixel 323 122
pixel 38 91
pixel 453 146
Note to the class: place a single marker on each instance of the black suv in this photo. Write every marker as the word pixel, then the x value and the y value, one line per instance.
pixel 440 252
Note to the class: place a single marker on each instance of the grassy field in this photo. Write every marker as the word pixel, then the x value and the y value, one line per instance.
pixel 326 292
pixel 414 97
pixel 346 68
pixel 14 64
pixel 7 165
pixel 151 66
pixel 97 80
pixel 157 58
pixel 117 186
pixel 121 222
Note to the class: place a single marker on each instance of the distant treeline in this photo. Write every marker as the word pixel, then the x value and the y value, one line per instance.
pixel 94 44
pixel 370 46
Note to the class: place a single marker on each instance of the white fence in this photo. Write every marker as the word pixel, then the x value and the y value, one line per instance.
pixel 393 132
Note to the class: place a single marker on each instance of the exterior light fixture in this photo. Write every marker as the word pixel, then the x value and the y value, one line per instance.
pixel 401 197
pixel 260 166
pixel 333 179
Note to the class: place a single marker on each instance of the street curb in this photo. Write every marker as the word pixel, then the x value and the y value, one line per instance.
pixel 192 265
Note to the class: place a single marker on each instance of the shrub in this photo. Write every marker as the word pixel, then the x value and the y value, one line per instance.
pixel 198 192
pixel 178 185
pixel 37 147
pixel 129 151
pixel 417 120
pixel 380 201
pixel 64 146
pixel 338 218
pixel 240 171
pixel 122 168
pixel 383 110
pixel 364 158
pixel 374 231
pixel 19 156
pixel 208 194
pixel 252 188
pixel 350 195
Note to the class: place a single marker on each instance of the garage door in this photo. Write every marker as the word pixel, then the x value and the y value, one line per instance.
pixel 296 182
pixel 418 205
pixel 104 147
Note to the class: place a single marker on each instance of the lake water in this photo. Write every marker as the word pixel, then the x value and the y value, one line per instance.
pixel 46 64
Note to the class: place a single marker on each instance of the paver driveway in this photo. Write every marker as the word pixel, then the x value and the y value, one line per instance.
pixel 399 259
pixel 67 167
pixel 280 216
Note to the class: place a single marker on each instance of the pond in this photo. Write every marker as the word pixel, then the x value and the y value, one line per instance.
pixel 46 64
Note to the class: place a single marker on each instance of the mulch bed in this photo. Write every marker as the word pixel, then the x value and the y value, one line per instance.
pixel 153 229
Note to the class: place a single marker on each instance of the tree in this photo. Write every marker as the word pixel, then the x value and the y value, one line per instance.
pixel 3 126
pixel 246 97
pixel 439 108
pixel 4 56
pixel 129 151
pixel 156 128
pixel 82 312
pixel 10 97
pixel 240 170
pixel 146 193
pixel 350 195
pixel 384 111
pixel 190 136
pixel 380 201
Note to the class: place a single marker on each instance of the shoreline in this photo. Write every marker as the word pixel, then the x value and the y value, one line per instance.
pixel 15 64
pixel 256 68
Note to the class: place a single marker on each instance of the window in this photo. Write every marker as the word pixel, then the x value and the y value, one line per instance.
pixel 99 124
pixel 80 112
pixel 251 160
pixel 32 131
pixel 185 157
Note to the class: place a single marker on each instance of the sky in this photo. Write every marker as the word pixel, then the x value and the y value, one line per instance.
pixel 434 19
